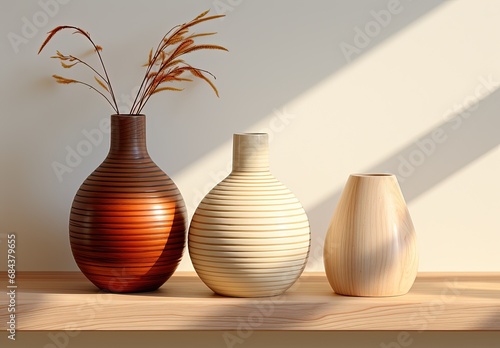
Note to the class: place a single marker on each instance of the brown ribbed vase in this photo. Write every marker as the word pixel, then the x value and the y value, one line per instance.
pixel 128 219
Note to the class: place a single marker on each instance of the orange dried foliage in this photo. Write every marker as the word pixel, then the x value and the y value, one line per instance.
pixel 164 65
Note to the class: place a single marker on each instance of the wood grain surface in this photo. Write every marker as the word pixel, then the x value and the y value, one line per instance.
pixel 437 301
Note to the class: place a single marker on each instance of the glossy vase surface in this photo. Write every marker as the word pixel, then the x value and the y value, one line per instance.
pixel 370 247
pixel 250 236
pixel 128 219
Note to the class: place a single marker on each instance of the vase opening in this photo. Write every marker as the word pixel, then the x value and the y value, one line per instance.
pixel 130 115
pixel 252 134
pixel 373 174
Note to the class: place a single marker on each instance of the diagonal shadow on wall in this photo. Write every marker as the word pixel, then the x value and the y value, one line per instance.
pixel 302 49
pixel 432 158
pixel 292 46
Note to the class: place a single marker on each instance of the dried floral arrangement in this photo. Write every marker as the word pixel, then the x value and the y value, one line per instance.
pixel 164 67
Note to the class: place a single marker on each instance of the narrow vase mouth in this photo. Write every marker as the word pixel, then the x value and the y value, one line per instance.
pixel 372 175
pixel 251 134
pixel 129 115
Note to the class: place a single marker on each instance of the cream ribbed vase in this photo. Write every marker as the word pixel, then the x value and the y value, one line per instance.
pixel 250 235
pixel 370 246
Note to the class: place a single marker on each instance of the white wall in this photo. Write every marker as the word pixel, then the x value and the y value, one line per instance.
pixel 334 102
pixel 404 88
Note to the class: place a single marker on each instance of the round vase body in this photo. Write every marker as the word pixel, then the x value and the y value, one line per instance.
pixel 128 220
pixel 250 236
pixel 370 247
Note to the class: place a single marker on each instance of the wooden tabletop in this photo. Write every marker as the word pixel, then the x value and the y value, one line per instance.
pixel 68 301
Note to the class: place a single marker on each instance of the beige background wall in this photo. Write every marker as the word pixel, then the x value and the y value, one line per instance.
pixel 408 87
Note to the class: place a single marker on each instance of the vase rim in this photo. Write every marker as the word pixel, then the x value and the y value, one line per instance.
pixel 372 175
pixel 129 115
pixel 251 134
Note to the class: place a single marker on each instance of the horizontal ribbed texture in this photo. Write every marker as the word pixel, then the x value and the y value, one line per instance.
pixel 128 219
pixel 250 152
pixel 249 236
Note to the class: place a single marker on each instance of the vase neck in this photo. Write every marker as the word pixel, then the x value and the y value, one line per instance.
pixel 128 136
pixel 251 152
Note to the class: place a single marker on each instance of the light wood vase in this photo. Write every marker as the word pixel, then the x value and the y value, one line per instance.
pixel 250 236
pixel 370 247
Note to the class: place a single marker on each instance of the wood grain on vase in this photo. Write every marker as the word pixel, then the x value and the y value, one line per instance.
pixel 128 219
pixel 370 247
